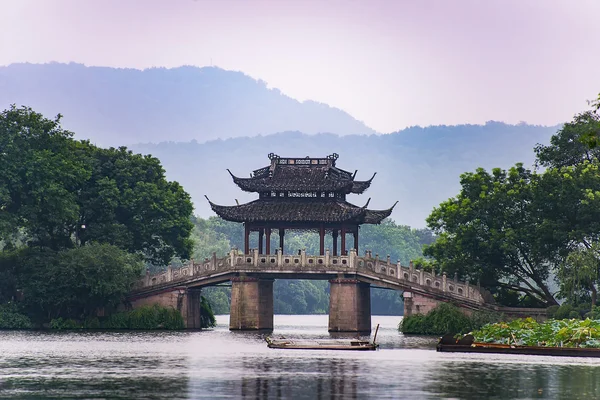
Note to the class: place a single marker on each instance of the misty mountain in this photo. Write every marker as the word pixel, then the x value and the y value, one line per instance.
pixel 115 107
pixel 419 167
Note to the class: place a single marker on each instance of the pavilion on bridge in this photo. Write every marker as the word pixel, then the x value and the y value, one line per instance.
pixel 301 194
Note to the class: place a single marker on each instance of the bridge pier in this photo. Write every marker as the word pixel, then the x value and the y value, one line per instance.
pixel 191 311
pixel 184 300
pixel 349 306
pixel 251 303
pixel 415 303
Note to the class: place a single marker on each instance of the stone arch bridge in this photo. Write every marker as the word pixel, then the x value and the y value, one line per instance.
pixel 350 276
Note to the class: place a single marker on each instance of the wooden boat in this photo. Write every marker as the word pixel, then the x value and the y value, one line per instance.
pixel 468 345
pixel 324 344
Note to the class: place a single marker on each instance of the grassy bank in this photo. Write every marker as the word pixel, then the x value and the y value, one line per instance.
pixel 151 317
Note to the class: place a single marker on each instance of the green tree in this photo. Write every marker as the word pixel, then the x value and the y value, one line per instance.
pixel 76 283
pixel 56 192
pixel 207 240
pixel 129 203
pixel 400 242
pixel 41 177
pixel 579 273
pixel 491 232
pixel 575 142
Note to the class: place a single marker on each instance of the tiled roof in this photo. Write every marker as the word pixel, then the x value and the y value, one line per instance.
pixel 302 178
pixel 300 211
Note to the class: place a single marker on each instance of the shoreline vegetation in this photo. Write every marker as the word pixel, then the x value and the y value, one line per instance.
pixel 446 318
pixel 551 333
pixel 565 328
pixel 150 317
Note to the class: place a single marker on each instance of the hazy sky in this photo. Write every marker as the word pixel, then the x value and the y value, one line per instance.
pixel 390 64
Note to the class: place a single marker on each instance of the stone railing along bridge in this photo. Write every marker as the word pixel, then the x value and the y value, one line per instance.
pixel 350 276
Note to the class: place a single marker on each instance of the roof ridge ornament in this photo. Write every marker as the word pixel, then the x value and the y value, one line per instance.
pixel 273 156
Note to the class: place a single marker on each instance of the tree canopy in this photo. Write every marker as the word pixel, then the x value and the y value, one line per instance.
pixel 515 229
pixel 76 220
pixel 57 192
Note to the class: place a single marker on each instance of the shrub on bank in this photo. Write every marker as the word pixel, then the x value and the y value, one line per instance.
pixel 11 318
pixel 143 318
pixel 146 318
pixel 446 318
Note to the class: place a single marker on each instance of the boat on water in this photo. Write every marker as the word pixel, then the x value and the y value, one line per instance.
pixel 467 344
pixel 323 344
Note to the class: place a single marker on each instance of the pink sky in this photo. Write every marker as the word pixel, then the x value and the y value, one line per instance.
pixel 390 64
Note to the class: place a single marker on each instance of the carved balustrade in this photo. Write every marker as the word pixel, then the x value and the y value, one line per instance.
pixel 405 277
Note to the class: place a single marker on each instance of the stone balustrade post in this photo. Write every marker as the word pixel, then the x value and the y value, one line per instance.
pixel 388 261
pixel 444 281
pixel 411 268
pixel 467 288
pixel 303 257
pixel 399 269
pixel 456 277
pixel 255 257
pixel 147 278
pixel 327 257
pixel 232 258
pixel 169 273
pixel 421 274
pixel 213 261
pixel 352 258
pixel 279 252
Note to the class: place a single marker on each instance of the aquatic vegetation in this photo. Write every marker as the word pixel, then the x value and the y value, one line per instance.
pixel 552 333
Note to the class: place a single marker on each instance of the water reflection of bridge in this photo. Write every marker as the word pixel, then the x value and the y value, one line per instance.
pixel 350 277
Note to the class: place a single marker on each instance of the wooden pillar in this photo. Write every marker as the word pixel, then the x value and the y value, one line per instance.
pixel 246 239
pixel 268 240
pixel 322 240
pixel 261 234
pixel 281 243
pixel 356 240
pixel 343 251
pixel 334 235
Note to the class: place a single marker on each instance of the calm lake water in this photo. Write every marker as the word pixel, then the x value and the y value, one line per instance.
pixel 221 364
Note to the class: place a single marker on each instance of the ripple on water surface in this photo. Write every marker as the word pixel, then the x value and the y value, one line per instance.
pixel 222 364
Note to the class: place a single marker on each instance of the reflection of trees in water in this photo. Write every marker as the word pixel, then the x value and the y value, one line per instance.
pixel 475 381
pixel 321 378
pixel 579 382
